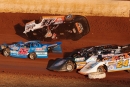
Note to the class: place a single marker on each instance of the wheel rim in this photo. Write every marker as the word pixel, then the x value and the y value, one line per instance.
pixel 69 67
pixel 100 70
pixel 32 56
pixel 6 53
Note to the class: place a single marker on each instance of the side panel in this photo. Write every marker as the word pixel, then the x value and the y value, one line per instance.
pixel 20 53
pixel 118 65
pixel 41 52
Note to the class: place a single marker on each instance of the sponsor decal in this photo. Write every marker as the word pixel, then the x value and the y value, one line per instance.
pixel 41 49
pixel 58 21
pixel 13 47
pixel 79 27
pixel 30 26
pixel 41 53
pixel 47 22
pixel 111 67
pixel 80 59
pixel 14 52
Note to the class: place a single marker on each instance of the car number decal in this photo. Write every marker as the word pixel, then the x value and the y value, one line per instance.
pixel 23 51
pixel 122 63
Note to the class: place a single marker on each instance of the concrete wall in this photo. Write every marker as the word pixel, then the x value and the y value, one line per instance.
pixel 81 7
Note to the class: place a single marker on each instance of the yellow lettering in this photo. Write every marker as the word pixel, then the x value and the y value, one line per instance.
pixel 122 63
pixel 119 64
pixel 126 62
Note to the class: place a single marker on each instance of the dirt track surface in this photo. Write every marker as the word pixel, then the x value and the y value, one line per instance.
pixel 104 30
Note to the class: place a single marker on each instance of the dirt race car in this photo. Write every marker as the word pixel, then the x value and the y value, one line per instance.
pixel 57 27
pixel 79 58
pixel 30 49
pixel 108 63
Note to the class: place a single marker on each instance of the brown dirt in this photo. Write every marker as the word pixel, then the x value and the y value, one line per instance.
pixel 26 72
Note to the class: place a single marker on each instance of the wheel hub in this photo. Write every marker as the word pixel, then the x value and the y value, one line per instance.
pixel 31 57
pixel 6 53
pixel 69 67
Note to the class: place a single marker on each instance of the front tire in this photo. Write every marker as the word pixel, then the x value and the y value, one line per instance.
pixel 6 52
pixel 32 56
pixel 100 69
pixel 100 74
pixel 70 66
pixel 97 75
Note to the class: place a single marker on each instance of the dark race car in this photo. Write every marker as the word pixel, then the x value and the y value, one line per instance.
pixel 82 56
pixel 57 27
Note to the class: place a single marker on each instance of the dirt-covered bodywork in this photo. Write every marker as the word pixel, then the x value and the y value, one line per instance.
pixel 79 58
pixel 30 49
pixel 109 63
pixel 57 27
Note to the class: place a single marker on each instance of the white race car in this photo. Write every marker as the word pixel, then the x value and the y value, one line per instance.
pixel 53 27
pixel 108 63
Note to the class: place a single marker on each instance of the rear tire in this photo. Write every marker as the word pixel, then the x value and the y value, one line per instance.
pixel 32 56
pixel 6 52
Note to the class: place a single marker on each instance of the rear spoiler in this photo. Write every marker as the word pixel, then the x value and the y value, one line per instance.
pixel 56 48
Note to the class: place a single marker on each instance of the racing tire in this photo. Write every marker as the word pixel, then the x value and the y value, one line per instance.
pixel 97 75
pixel 80 28
pixel 32 56
pixel 69 18
pixel 6 52
pixel 100 69
pixel 70 66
